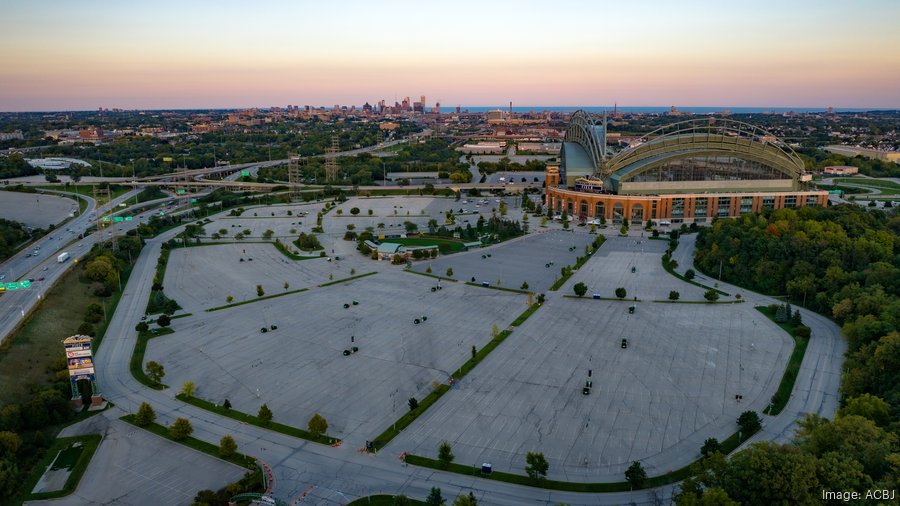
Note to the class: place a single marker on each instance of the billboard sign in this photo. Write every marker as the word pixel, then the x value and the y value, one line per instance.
pixel 79 358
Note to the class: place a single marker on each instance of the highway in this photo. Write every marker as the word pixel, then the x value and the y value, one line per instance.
pixel 330 475
pixel 39 261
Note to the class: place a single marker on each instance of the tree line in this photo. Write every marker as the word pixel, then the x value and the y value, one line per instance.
pixel 842 262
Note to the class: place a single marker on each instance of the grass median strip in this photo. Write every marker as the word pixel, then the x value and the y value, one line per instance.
pixel 237 459
pixel 675 476
pixel 64 454
pixel 513 290
pixel 783 394
pixel 671 270
pixel 282 294
pixel 615 299
pixel 569 270
pixel 253 420
pixel 442 278
pixel 525 315
pixel 137 357
pixel 388 434
pixel 344 280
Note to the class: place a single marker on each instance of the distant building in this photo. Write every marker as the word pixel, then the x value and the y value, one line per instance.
pixel 841 170
pixel 484 148
pixel 8 136
pixel 388 126
pixel 91 134
pixel 851 151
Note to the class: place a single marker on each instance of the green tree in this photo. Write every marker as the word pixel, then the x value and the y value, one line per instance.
pixel 435 498
pixel 445 454
pixel 142 327
pixel 145 415
pixel 689 274
pixel 711 295
pixel 259 291
pixel 268 234
pixel 621 293
pixel 766 473
pixel 536 465
pixel 413 403
pixel 711 445
pixel 229 299
pixel 226 405
pixel 264 414
pixel 449 272
pixel 188 388
pixel 749 423
pixel 164 320
pixel 580 289
pixel 635 475
pixel 155 371
pixel 354 211
pixel 180 429
pixel 466 500
pixel 867 406
pixel 673 295
pixel 317 425
pixel 524 285
pixel 286 285
pixel 227 446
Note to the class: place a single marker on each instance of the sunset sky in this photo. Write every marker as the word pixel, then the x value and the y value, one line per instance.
pixel 71 55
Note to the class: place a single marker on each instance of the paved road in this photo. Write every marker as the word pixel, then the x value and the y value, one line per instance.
pixel 14 305
pixel 332 475
pixel 819 379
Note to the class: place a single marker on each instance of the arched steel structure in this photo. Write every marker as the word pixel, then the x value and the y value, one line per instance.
pixel 712 137
pixel 589 132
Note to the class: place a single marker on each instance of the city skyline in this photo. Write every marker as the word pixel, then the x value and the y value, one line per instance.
pixel 176 55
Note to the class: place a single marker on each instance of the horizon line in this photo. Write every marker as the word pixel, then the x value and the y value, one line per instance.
pixel 502 108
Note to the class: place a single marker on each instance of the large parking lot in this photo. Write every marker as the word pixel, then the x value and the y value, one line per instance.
pixel 612 266
pixel 655 401
pixel 517 261
pixel 299 369
pixel 34 209
pixel 202 277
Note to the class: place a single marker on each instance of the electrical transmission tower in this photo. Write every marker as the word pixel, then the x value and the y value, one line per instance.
pixel 294 163
pixel 102 221
pixel 331 168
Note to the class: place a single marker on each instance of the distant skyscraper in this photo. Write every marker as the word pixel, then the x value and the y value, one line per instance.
pixel 406 105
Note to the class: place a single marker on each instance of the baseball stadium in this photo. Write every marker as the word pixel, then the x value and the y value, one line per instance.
pixel 686 172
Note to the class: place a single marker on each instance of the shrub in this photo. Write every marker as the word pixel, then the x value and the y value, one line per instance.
pixel 317 425
pixel 711 295
pixel 145 415
pixel 580 289
pixel 621 293
pixel 445 454
pixel 689 274
pixel 227 446
pixel 536 465
pixel 264 414
pixel 180 429
pixel 673 295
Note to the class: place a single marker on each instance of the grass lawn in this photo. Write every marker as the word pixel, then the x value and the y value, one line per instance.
pixel 454 245
pixel 783 394
pixel 36 346
pixel 74 458
pixel 874 183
